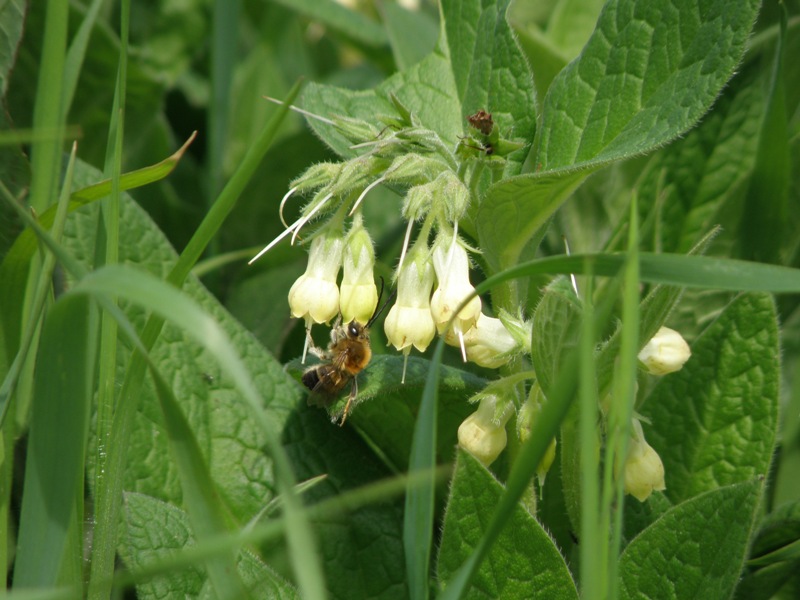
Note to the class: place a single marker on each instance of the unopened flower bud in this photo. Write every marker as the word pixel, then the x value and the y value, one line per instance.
pixel 316 176
pixel 355 130
pixel 359 296
pixel 483 433
pixel 665 353
pixel 644 471
pixel 414 169
pixel 525 419
pixel 455 195
pixel 451 263
pixel 315 296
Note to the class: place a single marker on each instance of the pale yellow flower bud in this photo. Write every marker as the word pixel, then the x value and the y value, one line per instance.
pixel 665 353
pixel 644 471
pixel 482 434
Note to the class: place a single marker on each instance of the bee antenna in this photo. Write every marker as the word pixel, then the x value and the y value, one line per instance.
pixel 378 312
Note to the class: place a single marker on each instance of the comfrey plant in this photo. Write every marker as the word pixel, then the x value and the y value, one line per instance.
pixel 434 293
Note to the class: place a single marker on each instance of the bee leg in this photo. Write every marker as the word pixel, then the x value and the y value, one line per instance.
pixel 353 394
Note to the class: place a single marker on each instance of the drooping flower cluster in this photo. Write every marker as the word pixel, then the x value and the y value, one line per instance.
pixel 432 279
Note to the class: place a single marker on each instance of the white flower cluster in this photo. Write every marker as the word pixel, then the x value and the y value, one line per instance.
pixel 432 281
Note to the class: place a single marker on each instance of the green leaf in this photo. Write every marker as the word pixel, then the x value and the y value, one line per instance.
pixel 696 550
pixel 647 74
pixel 12 17
pixel 420 498
pixel 524 562
pixel 556 324
pixel 545 60
pixel 155 530
pixel 489 70
pixel 59 423
pixel 514 210
pixel 779 531
pixel 774 554
pixel 695 182
pixel 339 17
pixel 767 200
pixel 571 24
pixel 714 422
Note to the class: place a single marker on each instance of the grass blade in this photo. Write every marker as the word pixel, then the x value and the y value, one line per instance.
pixel 418 522
pixel 56 444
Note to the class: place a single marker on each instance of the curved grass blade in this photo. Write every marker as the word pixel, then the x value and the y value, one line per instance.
pixel 418 522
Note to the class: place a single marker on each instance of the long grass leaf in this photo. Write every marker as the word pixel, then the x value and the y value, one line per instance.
pixel 593 549
pixel 621 409
pixel 418 521
pixel 56 444
pixel 102 560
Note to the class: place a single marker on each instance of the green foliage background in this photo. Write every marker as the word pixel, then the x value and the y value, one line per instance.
pixel 150 406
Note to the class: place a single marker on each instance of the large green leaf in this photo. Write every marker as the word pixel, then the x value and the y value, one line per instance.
pixel 155 530
pixel 695 550
pixel 714 422
pixel 524 562
pixel 515 209
pixel 647 74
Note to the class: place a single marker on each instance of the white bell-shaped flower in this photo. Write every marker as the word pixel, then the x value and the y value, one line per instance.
pixel 451 263
pixel 358 296
pixel 409 322
pixel 314 297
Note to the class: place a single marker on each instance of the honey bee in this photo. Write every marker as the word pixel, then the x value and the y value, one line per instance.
pixel 347 355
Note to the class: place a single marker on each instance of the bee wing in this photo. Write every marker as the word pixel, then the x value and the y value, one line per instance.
pixel 324 384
